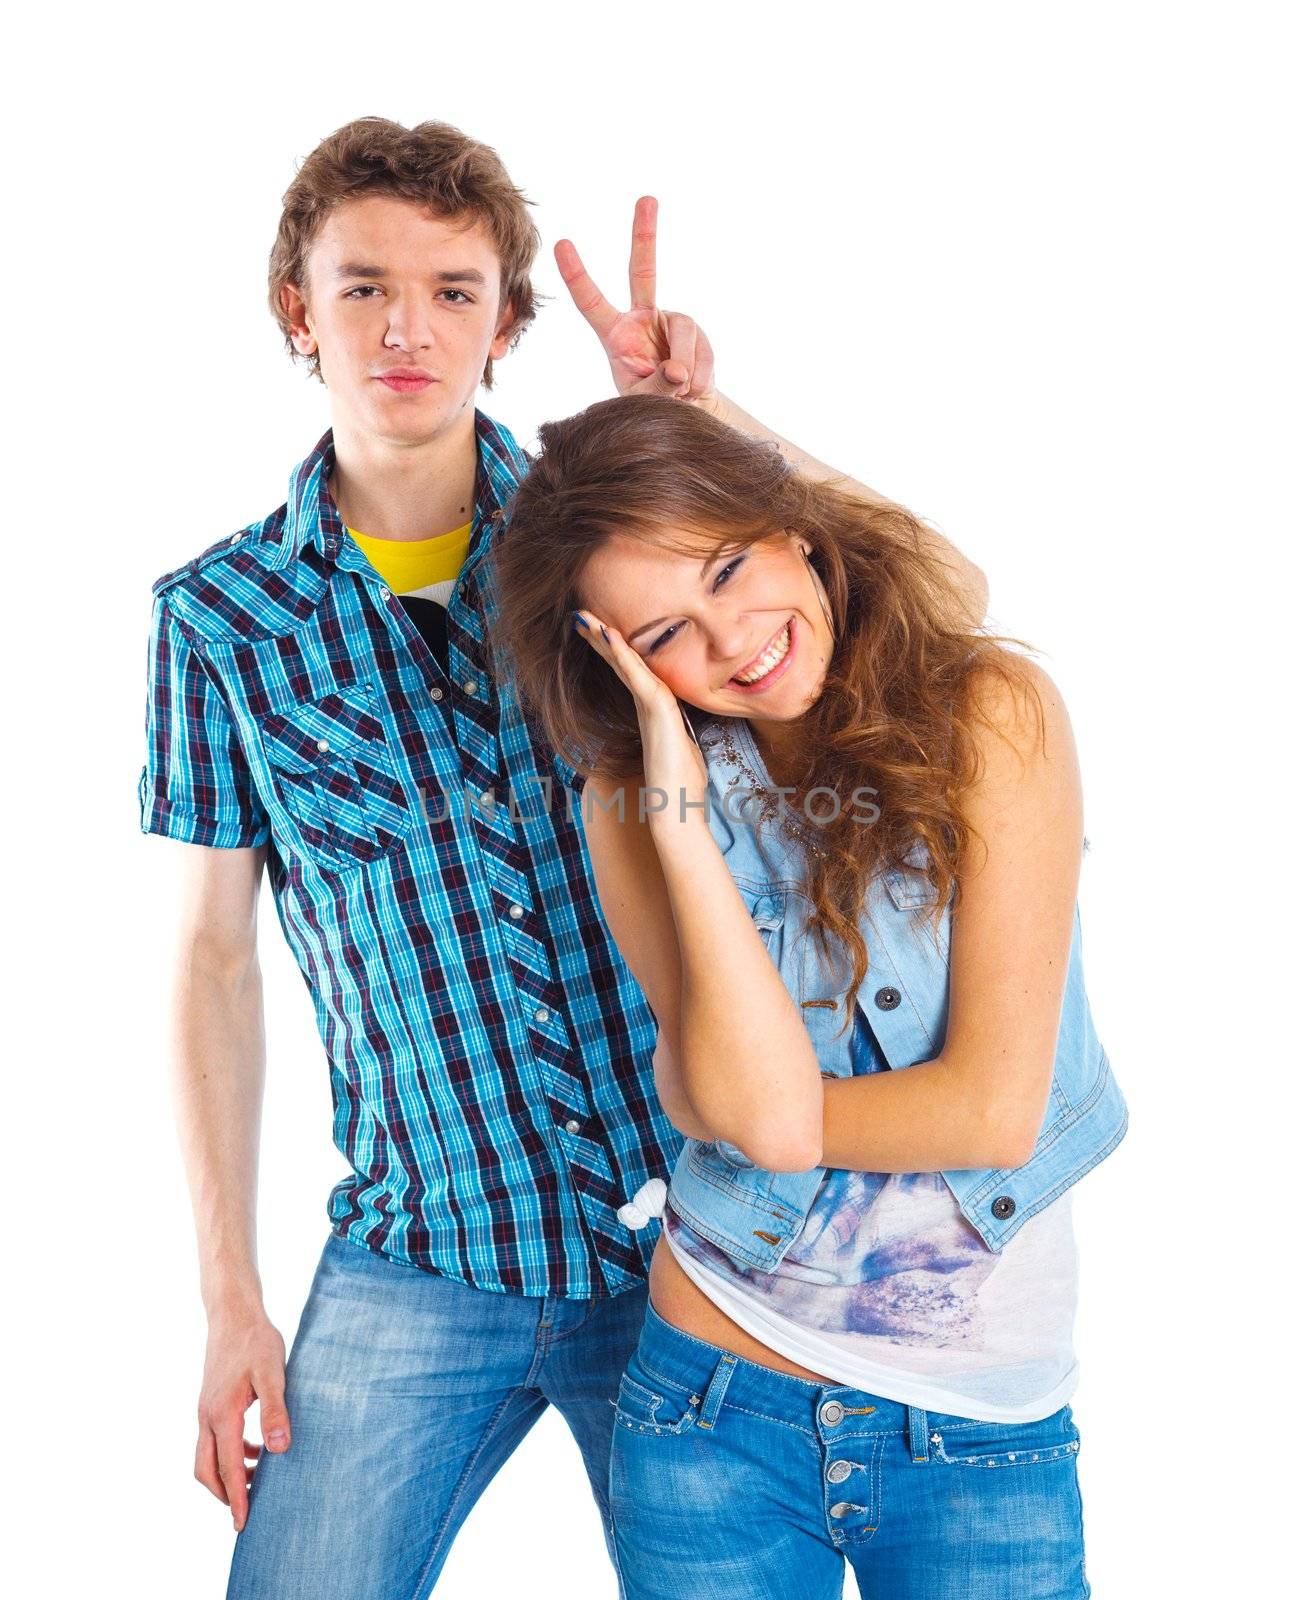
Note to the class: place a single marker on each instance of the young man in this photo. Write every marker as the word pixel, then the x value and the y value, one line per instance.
pixel 323 703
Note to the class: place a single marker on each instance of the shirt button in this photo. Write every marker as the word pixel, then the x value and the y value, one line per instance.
pixel 831 1412
pixel 323 744
pixel 515 911
pixel 542 1014
pixel 839 1470
pixel 470 686
pixel 235 538
pixel 437 694
pixel 385 593
pixel 1003 1206
pixel 572 1126
pixel 888 999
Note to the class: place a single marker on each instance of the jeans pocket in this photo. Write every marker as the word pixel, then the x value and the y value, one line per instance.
pixel 961 1442
pixel 653 1411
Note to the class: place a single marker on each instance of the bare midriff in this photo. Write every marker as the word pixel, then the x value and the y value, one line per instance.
pixel 680 1302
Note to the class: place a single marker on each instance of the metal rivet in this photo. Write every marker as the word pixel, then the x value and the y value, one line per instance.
pixel 1003 1206
pixel 888 998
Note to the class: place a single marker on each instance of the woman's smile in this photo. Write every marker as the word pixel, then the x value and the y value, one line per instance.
pixel 770 665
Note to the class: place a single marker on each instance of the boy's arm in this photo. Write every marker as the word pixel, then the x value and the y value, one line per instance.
pixel 218 1074
pixel 665 352
pixel 969 579
pixel 196 788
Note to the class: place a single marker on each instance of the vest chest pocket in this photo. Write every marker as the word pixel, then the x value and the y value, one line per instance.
pixel 335 774
pixel 766 905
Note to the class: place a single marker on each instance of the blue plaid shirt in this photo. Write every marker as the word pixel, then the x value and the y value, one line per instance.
pixel 490 1053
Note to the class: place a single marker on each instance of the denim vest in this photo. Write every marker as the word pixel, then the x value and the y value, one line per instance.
pixel 755 1215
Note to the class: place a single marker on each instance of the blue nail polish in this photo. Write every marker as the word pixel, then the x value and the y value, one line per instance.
pixel 578 619
pixel 604 634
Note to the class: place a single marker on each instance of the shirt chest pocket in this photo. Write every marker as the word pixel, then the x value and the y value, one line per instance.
pixel 335 774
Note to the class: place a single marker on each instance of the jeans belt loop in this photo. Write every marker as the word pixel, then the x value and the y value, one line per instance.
pixel 713 1395
pixel 917 1423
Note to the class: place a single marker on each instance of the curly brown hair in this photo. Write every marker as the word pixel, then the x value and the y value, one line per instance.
pixel 433 164
pixel 904 685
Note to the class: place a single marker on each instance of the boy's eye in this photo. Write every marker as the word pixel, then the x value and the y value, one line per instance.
pixel 362 291
pixel 465 299
pixel 717 583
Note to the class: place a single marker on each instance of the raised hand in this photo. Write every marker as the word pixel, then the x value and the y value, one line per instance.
pixel 650 351
pixel 672 761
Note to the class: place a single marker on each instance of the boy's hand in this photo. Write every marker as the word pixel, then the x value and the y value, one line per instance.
pixel 245 1362
pixel 650 351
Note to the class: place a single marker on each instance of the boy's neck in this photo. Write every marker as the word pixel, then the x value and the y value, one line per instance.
pixel 405 492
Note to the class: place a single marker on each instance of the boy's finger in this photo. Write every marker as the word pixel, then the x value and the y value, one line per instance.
pixel 585 294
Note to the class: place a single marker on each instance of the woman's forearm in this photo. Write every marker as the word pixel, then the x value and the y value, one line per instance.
pixel 747 1062
pixel 936 1116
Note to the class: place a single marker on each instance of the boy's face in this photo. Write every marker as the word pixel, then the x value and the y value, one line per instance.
pixel 402 307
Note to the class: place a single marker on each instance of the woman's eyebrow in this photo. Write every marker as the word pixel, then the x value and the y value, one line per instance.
pixel 647 626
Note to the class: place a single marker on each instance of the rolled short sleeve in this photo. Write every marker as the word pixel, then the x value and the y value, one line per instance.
pixel 196 784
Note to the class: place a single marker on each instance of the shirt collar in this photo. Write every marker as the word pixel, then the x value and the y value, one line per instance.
pixel 312 517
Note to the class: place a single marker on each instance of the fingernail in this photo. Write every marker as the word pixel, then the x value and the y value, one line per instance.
pixel 579 621
pixel 604 634
pixel 277 1438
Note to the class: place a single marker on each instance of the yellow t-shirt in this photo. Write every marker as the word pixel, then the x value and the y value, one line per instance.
pixel 422 573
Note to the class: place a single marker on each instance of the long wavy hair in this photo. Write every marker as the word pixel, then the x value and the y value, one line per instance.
pixel 903 684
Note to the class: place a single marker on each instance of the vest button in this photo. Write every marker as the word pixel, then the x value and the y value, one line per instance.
pixel 1003 1206
pixel 888 999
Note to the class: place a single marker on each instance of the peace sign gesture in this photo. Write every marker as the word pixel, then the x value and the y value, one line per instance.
pixel 650 351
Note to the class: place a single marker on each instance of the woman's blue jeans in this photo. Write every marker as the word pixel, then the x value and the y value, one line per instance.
pixel 732 1481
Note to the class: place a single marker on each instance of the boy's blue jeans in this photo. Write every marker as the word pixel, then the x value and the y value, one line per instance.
pixel 732 1481
pixel 406 1393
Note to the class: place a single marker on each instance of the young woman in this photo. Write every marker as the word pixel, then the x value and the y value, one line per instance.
pixel 836 831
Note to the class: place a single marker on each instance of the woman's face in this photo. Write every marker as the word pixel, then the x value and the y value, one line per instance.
pixel 742 633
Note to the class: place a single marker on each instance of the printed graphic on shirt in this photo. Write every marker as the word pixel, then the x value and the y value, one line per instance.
pixel 890 1288
pixel 888 1254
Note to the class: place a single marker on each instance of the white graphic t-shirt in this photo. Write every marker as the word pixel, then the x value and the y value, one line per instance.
pixel 890 1289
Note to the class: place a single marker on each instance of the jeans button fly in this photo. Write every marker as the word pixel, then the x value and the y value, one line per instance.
pixel 839 1470
pixel 831 1412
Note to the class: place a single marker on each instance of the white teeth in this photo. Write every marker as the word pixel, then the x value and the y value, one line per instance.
pixel 772 656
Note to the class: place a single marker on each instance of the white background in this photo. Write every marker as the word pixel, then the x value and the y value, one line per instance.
pixel 1015 265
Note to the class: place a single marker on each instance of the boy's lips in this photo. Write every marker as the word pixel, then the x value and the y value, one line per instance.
pixel 406 381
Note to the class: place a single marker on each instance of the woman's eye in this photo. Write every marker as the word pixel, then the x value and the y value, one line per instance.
pixel 717 584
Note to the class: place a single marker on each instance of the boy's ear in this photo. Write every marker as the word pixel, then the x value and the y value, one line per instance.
pixel 502 338
pixel 302 335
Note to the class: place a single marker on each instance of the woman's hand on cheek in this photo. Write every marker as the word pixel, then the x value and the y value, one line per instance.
pixel 671 759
